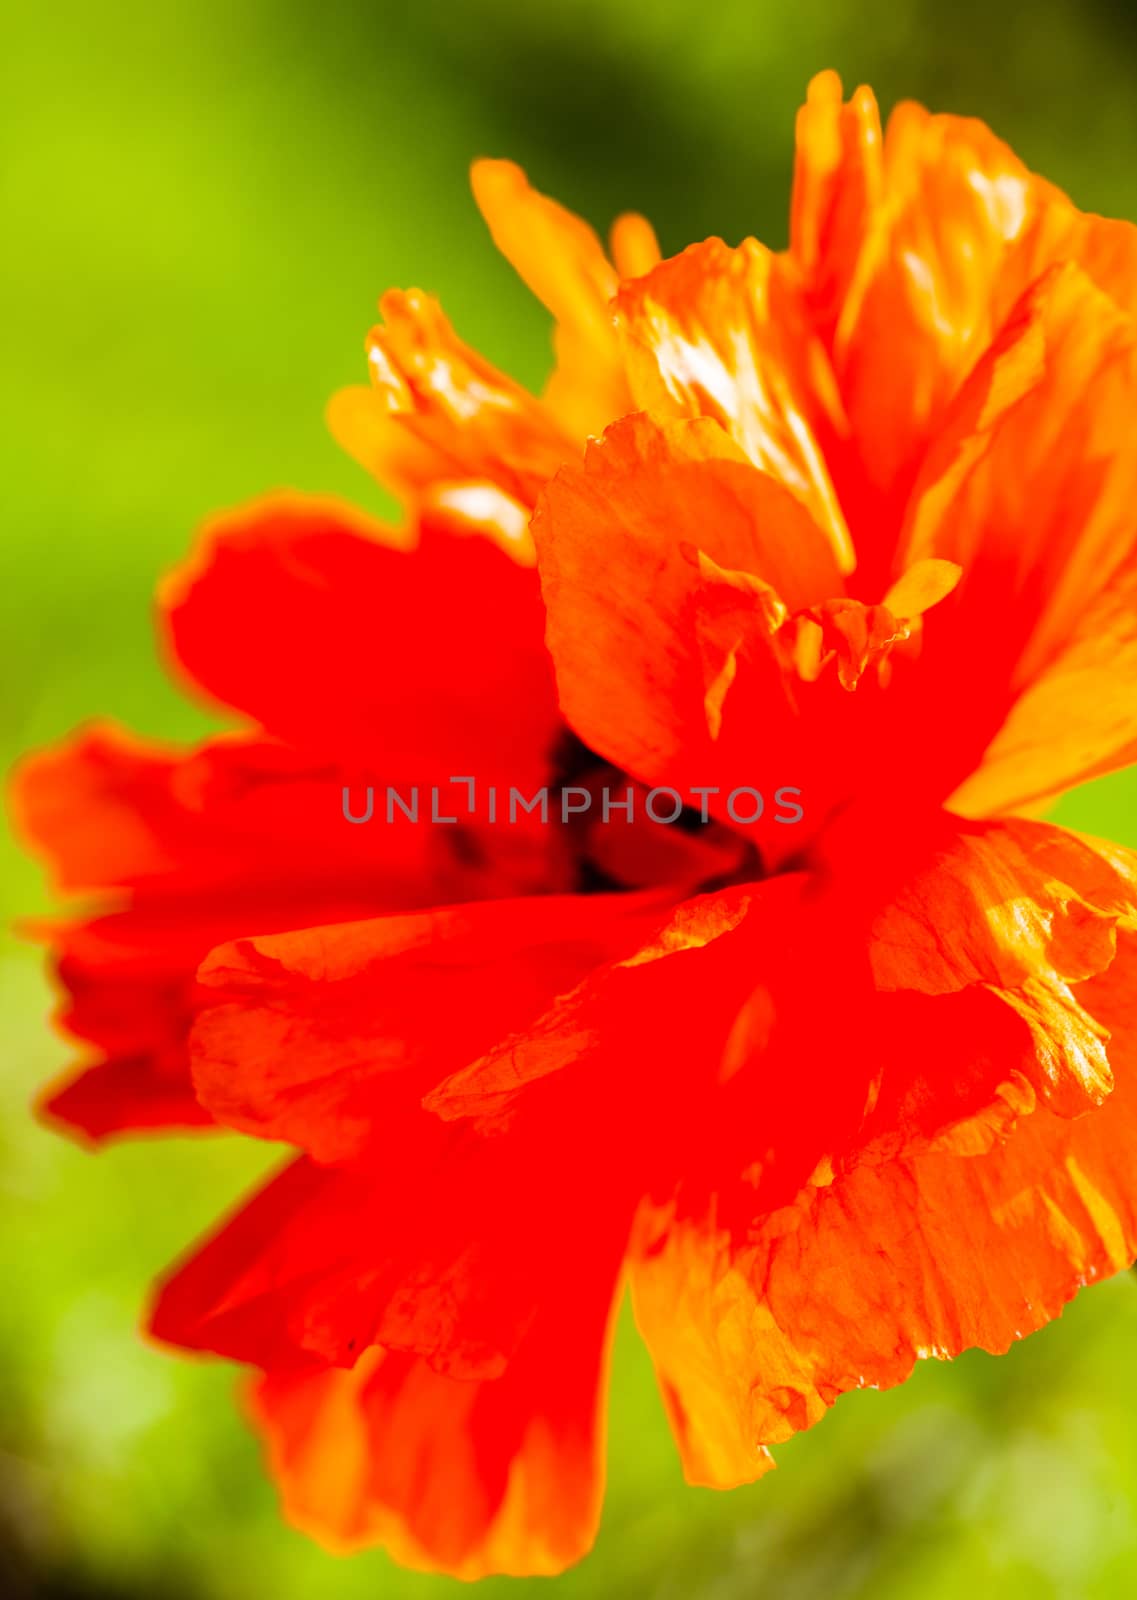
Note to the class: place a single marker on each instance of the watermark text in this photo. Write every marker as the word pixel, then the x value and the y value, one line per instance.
pixel 665 806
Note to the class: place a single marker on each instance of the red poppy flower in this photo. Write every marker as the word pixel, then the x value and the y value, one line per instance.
pixel 834 1091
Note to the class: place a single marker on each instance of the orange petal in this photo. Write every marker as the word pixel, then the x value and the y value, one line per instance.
pixel 838 186
pixel 363 424
pixel 468 420
pixel 1033 498
pixel 923 304
pixel 961 232
pixel 925 1254
pixel 1029 488
pixel 635 249
pixel 1103 247
pixel 563 262
pixel 614 540
pixel 708 336
pixel 428 478
pixel 1077 721
pixel 556 253
pixel 980 943
pixel 857 635
pixel 1032 910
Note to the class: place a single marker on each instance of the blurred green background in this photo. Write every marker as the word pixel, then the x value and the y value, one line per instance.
pixel 202 202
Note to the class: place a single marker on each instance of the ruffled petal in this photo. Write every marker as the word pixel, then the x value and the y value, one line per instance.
pixel 1034 913
pixel 186 848
pixel 927 1254
pixel 312 1037
pixel 673 995
pixel 1030 486
pixel 182 849
pixel 422 1245
pixel 968 1200
pixel 110 812
pixel 436 488
pixel 921 307
pixel 959 233
pixel 1030 489
pixel 467 419
pixel 621 541
pixel 712 333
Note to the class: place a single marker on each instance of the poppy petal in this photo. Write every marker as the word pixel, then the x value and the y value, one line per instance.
pixel 307 1033
pixel 446 1244
pixel 563 262
pixel 920 307
pixel 682 973
pixel 293 569
pixel 985 1204
pixel 838 186
pixel 711 333
pixel 184 848
pixel 923 1255
pixel 653 498
pixel 428 1253
pixel 470 419
pixel 1075 722
pixel 1044 574
pixel 422 1245
pixel 127 1094
pixel 469 1478
pixel 1034 912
